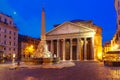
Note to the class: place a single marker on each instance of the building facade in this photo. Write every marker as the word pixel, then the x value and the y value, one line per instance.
pixel 116 38
pixel 76 40
pixel 115 42
pixel 27 45
pixel 8 35
pixel 117 7
pixel 107 47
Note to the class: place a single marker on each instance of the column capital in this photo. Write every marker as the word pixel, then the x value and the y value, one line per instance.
pixel 52 40
pixel 71 39
pixel 79 38
pixel 63 39
pixel 92 37
pixel 58 39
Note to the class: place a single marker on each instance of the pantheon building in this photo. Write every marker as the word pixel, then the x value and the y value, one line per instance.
pixel 75 40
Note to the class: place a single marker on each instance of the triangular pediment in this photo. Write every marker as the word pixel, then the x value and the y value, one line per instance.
pixel 68 28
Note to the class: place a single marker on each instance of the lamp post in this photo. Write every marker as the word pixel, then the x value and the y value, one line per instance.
pixel 13 59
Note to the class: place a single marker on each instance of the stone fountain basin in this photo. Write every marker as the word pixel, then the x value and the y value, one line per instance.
pixel 41 60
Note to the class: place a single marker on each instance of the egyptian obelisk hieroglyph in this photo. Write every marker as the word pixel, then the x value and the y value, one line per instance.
pixel 42 50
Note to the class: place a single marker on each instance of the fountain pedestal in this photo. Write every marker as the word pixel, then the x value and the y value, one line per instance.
pixel 36 61
pixel 47 60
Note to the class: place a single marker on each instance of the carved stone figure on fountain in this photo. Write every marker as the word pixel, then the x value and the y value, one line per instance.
pixel 42 51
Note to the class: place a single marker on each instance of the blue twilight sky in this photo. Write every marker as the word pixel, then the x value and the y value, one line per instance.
pixel 27 14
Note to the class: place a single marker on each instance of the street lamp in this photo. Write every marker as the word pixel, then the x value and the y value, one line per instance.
pixel 13 60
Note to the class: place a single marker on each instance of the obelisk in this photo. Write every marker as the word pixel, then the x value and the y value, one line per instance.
pixel 42 50
pixel 43 37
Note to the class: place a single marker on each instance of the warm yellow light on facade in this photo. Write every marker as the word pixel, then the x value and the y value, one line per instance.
pixel 13 55
pixel 114 47
pixel 29 50
pixel 99 56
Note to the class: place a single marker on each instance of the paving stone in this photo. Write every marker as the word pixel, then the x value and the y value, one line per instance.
pixel 88 70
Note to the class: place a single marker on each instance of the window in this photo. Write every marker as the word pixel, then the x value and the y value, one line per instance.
pixel 119 22
pixel 4 48
pixel 119 34
pixel 5 21
pixel 10 22
pixel 14 33
pixel 14 38
pixel 10 49
pixel 9 43
pixel 14 44
pixel 5 42
pixel 9 32
pixel 14 49
pixel 119 11
pixel 5 30
pixel 9 37
pixel 5 36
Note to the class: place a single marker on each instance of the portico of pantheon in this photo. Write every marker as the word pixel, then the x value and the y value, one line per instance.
pixel 75 40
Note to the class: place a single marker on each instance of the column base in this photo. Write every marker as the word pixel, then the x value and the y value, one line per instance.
pixel 85 60
pixel 63 60
pixel 95 59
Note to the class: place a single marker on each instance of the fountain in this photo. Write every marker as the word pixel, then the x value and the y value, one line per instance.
pixel 42 55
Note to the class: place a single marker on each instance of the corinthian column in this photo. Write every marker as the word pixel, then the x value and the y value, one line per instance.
pixel 85 49
pixel 63 49
pixel 92 48
pixel 58 48
pixel 51 46
pixel 71 49
pixel 78 49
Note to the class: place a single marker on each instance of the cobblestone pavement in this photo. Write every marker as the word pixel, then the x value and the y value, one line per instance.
pixel 88 70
